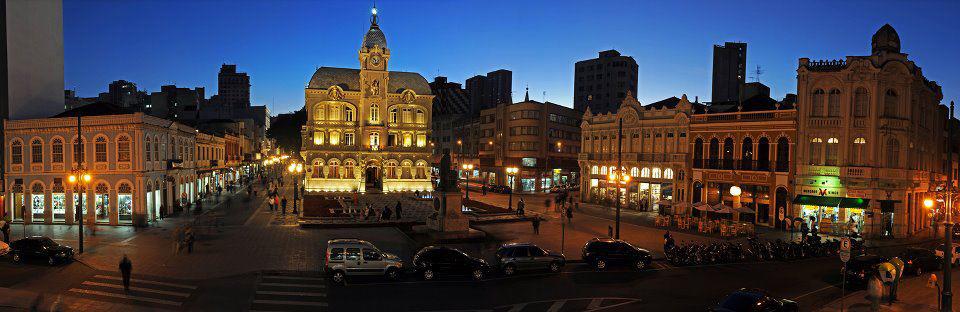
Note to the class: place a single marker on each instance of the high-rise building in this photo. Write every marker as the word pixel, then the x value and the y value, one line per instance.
pixel 175 103
pixel 233 88
pixel 602 83
pixel 451 106
pixel 31 59
pixel 729 71
pixel 490 90
pixel 124 94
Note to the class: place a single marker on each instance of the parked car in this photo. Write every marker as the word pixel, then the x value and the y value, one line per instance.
pixel 750 300
pixel 518 257
pixel 919 260
pixel 40 247
pixel 601 252
pixel 358 257
pixel 860 267
pixel 956 253
pixel 433 261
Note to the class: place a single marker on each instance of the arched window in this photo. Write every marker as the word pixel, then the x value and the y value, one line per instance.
pixel 698 149
pixel 391 168
pixel 102 202
pixel 348 166
pixel 321 112
pixel 375 113
pixel 335 112
pixel 634 172
pixel 728 153
pixel 421 170
pixel 893 153
pixel 334 137
pixel 656 173
pixel 817 110
pixel 856 151
pixel 38 202
pixel 816 148
pixel 348 113
pixel 833 103
pixel 406 171
pixel 334 172
pixel 123 149
pixel 57 151
pixel 156 149
pixel 594 170
pixel 393 115
pixel 861 103
pixel 16 152
pixel 36 151
pixel 125 202
pixel 668 174
pixel 714 153
pixel 317 171
pixel 319 137
pixel 832 152
pixel 100 149
pixel 746 154
pixel 645 173
pixel 783 154
pixel 421 117
pixel 375 141
pixel 603 170
pixel 407 139
pixel 763 154
pixel 147 149
pixel 890 105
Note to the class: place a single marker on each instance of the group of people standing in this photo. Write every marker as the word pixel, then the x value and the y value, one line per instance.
pixel 384 214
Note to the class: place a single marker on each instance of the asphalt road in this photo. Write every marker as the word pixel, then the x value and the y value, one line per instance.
pixel 578 288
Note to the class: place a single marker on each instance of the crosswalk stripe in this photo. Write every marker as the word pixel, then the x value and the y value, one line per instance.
pixel 595 303
pixel 518 307
pixel 294 277
pixel 556 306
pixel 117 278
pixel 162 292
pixel 124 296
pixel 283 302
pixel 290 293
pixel 293 285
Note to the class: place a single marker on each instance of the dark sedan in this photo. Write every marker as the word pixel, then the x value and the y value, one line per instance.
pixel 754 300
pixel 919 260
pixel 600 252
pixel 40 248
pixel 433 261
pixel 513 258
pixel 860 267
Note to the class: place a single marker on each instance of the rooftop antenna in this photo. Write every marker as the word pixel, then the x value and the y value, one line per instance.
pixel 757 73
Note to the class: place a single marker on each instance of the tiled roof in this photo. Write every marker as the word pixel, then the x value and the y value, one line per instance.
pixel 349 79
pixel 95 109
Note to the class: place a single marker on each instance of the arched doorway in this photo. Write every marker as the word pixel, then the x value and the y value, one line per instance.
pixel 373 179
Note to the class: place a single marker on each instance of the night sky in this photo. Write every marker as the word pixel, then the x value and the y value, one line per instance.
pixel 280 43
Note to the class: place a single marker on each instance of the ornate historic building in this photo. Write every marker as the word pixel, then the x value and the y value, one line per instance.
pixel 654 153
pixel 367 129
pixel 872 141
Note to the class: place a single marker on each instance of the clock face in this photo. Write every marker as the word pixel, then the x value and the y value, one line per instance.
pixel 375 60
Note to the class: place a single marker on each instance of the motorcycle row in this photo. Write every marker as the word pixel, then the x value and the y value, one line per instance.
pixel 753 250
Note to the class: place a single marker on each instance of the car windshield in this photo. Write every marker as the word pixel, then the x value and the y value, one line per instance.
pixel 738 302
pixel 47 242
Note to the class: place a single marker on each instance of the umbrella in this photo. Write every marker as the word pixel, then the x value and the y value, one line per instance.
pixel 681 207
pixel 721 208
pixel 702 207
pixel 742 209
pixel 665 202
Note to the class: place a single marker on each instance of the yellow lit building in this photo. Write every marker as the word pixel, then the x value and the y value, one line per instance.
pixel 367 129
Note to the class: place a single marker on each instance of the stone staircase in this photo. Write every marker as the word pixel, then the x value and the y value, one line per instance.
pixel 414 211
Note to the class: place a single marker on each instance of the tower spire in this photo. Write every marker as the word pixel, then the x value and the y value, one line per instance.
pixel 526 97
pixel 373 14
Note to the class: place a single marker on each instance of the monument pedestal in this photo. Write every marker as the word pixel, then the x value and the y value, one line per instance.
pixel 450 223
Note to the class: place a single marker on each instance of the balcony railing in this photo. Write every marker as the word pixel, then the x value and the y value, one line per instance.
pixel 740 164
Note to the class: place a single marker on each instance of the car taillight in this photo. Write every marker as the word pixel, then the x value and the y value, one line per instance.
pixel 909 261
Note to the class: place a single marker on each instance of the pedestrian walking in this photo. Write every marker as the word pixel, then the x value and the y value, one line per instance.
pixel 283 205
pixel 399 210
pixel 5 228
pixel 803 231
pixel 610 231
pixel 386 213
pixel 520 206
pixel 569 215
pixel 125 268
pixel 536 225
pixel 546 204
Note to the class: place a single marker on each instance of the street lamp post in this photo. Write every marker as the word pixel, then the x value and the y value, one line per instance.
pixel 295 169
pixel 618 179
pixel 511 171
pixel 80 178
pixel 469 169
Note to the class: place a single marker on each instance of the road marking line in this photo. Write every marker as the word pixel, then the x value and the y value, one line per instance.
pixel 162 292
pixel 283 302
pixel 293 285
pixel 594 303
pixel 295 277
pixel 518 307
pixel 556 306
pixel 123 296
pixel 813 292
pixel 290 293
pixel 117 278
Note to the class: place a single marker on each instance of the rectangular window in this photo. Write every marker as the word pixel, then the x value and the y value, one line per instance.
pixel 348 139
pixel 36 153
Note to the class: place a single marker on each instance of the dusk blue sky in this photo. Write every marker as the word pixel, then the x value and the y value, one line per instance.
pixel 280 43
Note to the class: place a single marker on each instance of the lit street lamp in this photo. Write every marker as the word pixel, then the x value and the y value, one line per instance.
pixel 469 169
pixel 511 171
pixel 618 180
pixel 80 178
pixel 295 169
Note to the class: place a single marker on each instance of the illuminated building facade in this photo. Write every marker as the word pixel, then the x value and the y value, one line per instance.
pixel 872 141
pixel 367 129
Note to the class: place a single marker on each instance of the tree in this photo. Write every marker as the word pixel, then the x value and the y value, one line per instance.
pixel 285 129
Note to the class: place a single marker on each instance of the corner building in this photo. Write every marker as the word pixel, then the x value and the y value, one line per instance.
pixel 872 141
pixel 367 129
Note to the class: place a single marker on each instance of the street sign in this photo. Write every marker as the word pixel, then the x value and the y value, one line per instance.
pixel 845 249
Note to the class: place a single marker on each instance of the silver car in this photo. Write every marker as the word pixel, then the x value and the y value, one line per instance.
pixel 358 257
pixel 518 257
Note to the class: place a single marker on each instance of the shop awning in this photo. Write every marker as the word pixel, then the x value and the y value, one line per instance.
pixel 832 201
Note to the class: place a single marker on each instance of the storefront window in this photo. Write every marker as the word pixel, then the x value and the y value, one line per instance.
pixel 102 203
pixel 125 202
pixel 76 204
pixel 528 184
pixel 37 202
pixel 59 206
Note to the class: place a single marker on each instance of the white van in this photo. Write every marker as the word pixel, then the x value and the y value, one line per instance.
pixel 359 257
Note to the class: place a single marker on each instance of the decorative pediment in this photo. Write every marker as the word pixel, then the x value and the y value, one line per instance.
pixel 335 93
pixel 408 96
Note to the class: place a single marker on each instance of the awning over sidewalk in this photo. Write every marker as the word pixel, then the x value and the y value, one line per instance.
pixel 832 201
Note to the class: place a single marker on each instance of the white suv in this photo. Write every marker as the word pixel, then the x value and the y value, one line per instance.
pixel 359 257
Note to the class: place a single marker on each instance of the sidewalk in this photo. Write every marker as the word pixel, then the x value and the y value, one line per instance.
pixel 913 295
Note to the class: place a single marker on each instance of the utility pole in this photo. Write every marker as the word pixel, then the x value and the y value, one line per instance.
pixel 619 172
pixel 946 297
pixel 78 154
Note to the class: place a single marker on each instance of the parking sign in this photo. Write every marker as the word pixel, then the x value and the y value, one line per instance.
pixel 845 249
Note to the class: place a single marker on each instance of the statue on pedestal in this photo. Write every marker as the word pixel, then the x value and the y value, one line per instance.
pixel 448 177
